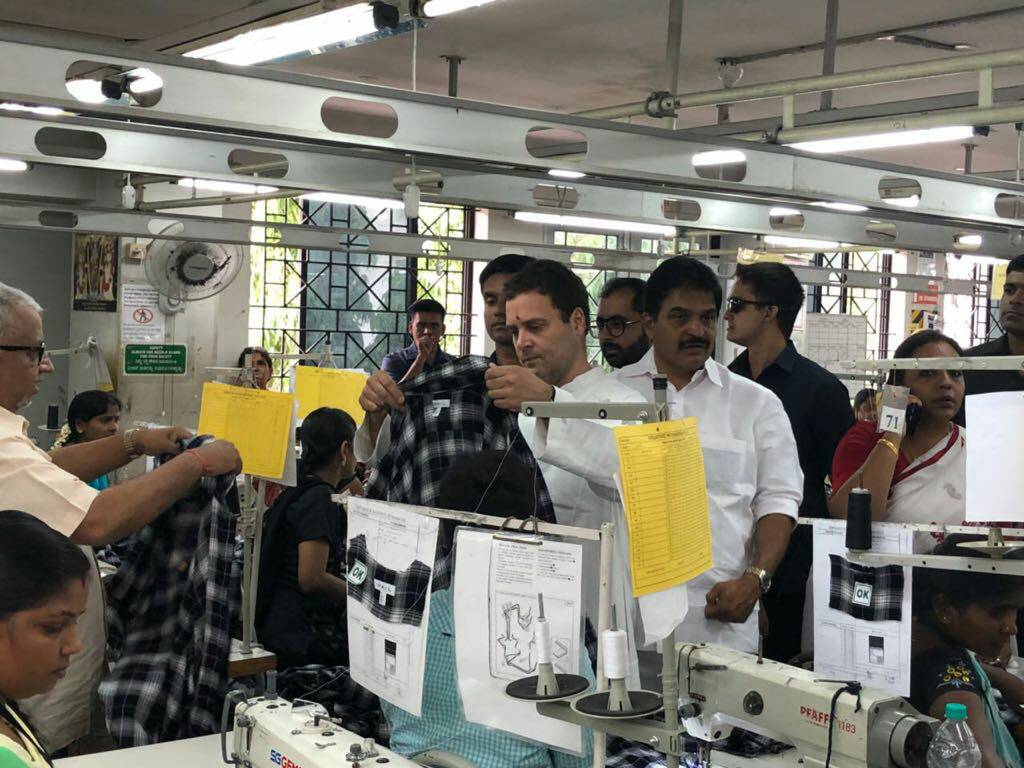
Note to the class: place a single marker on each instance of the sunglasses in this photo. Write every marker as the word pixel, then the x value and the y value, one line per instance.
pixel 735 305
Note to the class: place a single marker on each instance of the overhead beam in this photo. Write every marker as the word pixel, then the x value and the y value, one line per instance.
pixel 204 96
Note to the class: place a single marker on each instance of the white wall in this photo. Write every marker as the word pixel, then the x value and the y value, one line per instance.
pixel 39 262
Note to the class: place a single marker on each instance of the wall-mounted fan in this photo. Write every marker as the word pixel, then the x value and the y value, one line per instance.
pixel 187 270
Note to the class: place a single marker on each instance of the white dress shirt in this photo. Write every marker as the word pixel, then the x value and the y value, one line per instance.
pixel 32 483
pixel 751 468
pixel 579 460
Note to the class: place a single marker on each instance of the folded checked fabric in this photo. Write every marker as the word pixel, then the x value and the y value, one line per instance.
pixel 742 743
pixel 447 415
pixel 871 594
pixel 398 597
pixel 170 608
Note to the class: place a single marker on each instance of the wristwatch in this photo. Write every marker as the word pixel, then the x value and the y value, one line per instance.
pixel 130 447
pixel 763 577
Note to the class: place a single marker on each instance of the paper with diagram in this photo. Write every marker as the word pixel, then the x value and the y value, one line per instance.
pixel 862 614
pixel 390 559
pixel 505 575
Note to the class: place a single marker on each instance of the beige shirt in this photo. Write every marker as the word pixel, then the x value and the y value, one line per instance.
pixel 32 483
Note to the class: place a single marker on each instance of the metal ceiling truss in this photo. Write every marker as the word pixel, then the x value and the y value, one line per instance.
pixel 172 152
pixel 144 226
pixel 200 95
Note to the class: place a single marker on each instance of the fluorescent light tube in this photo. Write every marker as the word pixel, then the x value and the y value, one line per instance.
pixel 905 202
pixel 7 165
pixel 144 80
pixel 609 225
pixel 558 173
pixel 784 212
pixel 87 90
pixel 718 157
pixel 968 241
pixel 290 37
pixel 360 200
pixel 11 106
pixel 435 8
pixel 886 140
pixel 799 242
pixel 213 185
pixel 845 207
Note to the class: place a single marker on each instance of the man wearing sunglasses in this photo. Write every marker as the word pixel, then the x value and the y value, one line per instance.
pixel 760 314
pixel 619 324
pixel 52 487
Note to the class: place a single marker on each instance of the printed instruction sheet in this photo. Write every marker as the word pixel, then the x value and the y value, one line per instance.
pixel 390 558
pixel 862 618
pixel 506 575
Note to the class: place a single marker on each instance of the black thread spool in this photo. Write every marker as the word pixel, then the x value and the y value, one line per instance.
pixel 858 520
pixel 52 417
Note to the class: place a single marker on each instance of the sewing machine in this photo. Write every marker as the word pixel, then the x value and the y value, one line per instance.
pixel 270 732
pixel 721 689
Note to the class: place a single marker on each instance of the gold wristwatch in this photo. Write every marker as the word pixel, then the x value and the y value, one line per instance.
pixel 763 577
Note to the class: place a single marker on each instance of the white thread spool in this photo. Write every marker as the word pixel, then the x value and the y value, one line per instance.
pixel 616 654
pixel 542 636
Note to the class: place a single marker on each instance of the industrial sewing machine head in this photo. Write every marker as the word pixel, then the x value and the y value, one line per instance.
pixel 722 688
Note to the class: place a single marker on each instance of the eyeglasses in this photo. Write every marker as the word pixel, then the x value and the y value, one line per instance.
pixel 735 305
pixel 39 351
pixel 616 326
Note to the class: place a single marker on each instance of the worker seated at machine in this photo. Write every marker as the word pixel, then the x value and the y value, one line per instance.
pixel 963 623
pixel 490 483
pixel 44 592
pixel 300 603
pixel 92 415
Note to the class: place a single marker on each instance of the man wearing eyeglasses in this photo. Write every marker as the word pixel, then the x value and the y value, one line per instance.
pixel 53 488
pixel 619 324
pixel 760 314
pixel 753 476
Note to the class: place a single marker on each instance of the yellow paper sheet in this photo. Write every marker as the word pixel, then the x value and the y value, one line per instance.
pixel 666 503
pixel 998 281
pixel 257 421
pixel 318 387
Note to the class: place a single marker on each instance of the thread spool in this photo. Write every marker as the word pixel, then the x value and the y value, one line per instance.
pixel 616 654
pixel 858 520
pixel 542 637
pixel 52 417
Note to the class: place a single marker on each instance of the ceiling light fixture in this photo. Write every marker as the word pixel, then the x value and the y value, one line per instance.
pixel 968 241
pixel 280 40
pixel 559 173
pixel 8 165
pixel 585 222
pixel 11 106
pixel 86 90
pixel 431 9
pixel 905 202
pixel 799 242
pixel 142 80
pixel 845 207
pixel 886 140
pixel 718 157
pixel 782 212
pixel 362 201
pixel 213 185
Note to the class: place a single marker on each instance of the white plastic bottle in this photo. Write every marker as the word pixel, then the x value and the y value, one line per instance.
pixel 953 745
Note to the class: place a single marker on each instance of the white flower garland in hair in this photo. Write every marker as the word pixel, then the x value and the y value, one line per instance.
pixel 63 437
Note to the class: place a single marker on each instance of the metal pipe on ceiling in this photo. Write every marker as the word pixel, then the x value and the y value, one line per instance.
pixel 673 50
pixel 201 202
pixel 857 78
pixel 828 59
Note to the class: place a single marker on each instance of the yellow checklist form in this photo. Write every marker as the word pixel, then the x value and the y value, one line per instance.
pixel 666 503
pixel 317 387
pixel 999 281
pixel 257 421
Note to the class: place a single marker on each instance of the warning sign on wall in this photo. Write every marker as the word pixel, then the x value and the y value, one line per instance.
pixel 141 318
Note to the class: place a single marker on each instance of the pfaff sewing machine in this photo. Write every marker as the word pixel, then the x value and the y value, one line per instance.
pixel 721 689
pixel 270 732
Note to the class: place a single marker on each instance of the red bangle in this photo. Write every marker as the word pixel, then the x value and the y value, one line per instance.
pixel 202 464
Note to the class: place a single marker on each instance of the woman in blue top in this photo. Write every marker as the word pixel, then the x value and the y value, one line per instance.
pixel 963 623
pixel 92 415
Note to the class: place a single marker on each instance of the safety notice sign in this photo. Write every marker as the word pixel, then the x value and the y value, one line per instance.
pixel 141 318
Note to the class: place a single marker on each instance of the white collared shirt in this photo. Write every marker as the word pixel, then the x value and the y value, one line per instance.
pixel 752 470
pixel 32 483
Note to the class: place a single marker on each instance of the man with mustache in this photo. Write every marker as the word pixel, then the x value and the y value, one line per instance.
pixel 620 326
pixel 753 475
pixel 1011 319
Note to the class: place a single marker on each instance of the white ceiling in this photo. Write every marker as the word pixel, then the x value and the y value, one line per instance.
pixel 571 55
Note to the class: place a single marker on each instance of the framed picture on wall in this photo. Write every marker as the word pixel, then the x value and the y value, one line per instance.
pixel 95 273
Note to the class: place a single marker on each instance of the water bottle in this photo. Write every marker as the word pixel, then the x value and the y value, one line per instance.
pixel 953 745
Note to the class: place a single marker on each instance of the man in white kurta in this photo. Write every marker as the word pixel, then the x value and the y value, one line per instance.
pixel 752 470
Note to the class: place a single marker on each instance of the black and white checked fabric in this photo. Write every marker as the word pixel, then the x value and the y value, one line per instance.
pixel 397 597
pixel 871 594
pixel 448 414
pixel 170 608
pixel 633 754
pixel 356 708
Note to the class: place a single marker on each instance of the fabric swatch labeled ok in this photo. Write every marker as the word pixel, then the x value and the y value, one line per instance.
pixel 397 597
pixel 871 594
